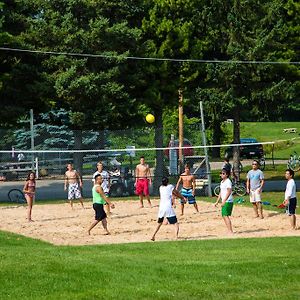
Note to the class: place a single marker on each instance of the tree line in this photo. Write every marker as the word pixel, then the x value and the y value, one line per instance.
pixel 113 92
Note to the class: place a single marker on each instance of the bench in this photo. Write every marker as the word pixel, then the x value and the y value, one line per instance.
pixel 290 130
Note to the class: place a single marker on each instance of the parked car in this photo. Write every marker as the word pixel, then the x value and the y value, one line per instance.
pixel 247 151
pixel 187 148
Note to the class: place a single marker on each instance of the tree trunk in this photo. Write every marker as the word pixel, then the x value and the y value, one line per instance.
pixel 236 149
pixel 159 167
pixel 78 157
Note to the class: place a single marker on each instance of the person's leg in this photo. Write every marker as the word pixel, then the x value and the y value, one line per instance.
pixel 149 202
pixel 29 201
pixel 141 200
pixel 255 208
pixel 196 207
pixel 156 230
pixel 228 223
pixel 107 207
pixel 260 209
pixel 293 221
pixel 92 226
pixel 176 225
pixel 181 208
pixel 104 224
pixel 81 202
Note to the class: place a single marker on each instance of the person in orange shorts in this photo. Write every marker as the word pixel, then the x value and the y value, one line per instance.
pixel 142 181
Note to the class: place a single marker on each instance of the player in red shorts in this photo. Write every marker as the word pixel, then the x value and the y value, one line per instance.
pixel 142 181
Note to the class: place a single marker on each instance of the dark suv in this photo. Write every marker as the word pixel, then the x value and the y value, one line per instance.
pixel 247 151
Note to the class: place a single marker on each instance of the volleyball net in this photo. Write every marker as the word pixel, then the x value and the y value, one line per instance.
pixel 120 152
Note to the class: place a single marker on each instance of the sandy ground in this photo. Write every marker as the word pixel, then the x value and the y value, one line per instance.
pixel 59 225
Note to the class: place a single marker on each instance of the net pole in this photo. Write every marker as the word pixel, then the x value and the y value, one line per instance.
pixel 205 149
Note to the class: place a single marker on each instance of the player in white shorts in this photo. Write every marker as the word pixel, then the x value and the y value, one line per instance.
pixel 255 183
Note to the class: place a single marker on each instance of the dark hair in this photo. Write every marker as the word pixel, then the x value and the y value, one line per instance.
pixel 226 159
pixel 292 173
pixel 187 166
pixel 165 181
pixel 142 156
pixel 226 171
pixel 97 176
pixel 28 176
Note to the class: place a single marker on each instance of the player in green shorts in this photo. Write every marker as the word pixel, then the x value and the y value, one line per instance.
pixel 226 197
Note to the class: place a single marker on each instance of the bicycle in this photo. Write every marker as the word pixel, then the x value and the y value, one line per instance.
pixel 237 188
pixel 16 196
pixel 294 162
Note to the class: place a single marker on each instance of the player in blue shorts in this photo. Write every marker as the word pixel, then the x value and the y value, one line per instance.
pixel 188 187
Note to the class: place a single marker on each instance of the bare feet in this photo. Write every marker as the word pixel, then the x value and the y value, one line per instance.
pixel 153 239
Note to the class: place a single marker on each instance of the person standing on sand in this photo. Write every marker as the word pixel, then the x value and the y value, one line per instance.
pixel 255 183
pixel 167 201
pixel 105 182
pixel 226 197
pixel 29 192
pixel 99 199
pixel 290 200
pixel 74 183
pixel 188 188
pixel 142 181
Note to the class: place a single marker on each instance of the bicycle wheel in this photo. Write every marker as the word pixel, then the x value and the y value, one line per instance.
pixel 217 190
pixel 240 189
pixel 17 196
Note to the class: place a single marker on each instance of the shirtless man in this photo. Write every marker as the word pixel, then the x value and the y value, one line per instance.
pixel 71 180
pixel 142 181
pixel 188 187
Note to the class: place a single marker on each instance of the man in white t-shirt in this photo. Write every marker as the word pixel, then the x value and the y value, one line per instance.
pixel 105 182
pixel 226 197
pixel 167 201
pixel 255 183
pixel 290 197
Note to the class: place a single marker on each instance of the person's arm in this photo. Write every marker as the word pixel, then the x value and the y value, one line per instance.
pixel 193 185
pixel 218 199
pixel 66 181
pixel 136 174
pixel 288 194
pixel 178 195
pixel 102 194
pixel 248 185
pixel 178 183
pixel 25 188
pixel 79 179
pixel 262 182
pixel 149 174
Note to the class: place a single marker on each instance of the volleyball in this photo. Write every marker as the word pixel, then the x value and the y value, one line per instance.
pixel 150 118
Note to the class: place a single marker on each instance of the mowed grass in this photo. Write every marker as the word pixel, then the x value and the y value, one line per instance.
pixel 213 269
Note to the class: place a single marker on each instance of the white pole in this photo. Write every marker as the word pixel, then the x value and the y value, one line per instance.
pixel 32 138
pixel 36 167
pixel 205 150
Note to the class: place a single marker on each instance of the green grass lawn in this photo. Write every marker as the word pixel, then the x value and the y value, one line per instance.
pixel 213 269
